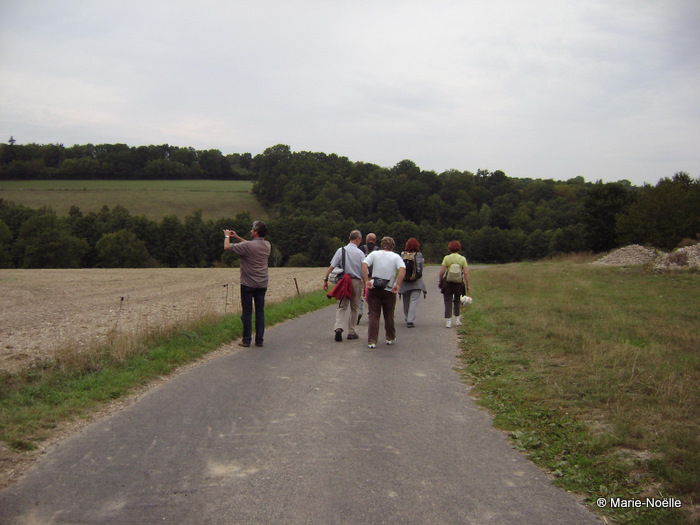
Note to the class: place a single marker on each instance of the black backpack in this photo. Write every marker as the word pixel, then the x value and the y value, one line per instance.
pixel 413 272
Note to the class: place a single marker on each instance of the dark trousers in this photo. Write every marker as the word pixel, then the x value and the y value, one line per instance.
pixel 381 301
pixel 452 293
pixel 248 297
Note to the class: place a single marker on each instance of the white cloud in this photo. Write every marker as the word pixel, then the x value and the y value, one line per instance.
pixel 548 89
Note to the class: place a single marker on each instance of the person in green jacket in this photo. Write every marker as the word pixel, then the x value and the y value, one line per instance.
pixel 454 283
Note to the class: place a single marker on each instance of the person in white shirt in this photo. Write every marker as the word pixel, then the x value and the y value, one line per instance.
pixel 388 270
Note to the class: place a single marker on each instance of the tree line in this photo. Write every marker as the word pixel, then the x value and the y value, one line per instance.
pixel 119 162
pixel 315 199
pixel 497 218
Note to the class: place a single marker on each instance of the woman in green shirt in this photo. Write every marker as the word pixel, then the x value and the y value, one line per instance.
pixel 454 282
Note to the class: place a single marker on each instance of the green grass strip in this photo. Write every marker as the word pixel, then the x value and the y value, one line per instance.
pixel 35 401
pixel 595 374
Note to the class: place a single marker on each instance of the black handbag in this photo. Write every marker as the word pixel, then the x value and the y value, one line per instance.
pixel 379 284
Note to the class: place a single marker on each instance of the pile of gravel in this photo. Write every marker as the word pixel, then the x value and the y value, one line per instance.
pixel 629 256
pixel 687 258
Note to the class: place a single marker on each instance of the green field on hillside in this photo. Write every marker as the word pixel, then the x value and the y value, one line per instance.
pixel 152 198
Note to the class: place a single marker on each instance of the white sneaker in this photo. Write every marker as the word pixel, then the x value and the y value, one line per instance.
pixel 457 321
pixel 371 345
pixel 448 323
pixel 391 342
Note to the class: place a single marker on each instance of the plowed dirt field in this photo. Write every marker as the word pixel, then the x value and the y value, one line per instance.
pixel 44 310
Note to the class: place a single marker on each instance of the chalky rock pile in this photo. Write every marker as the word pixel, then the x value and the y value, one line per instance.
pixel 629 256
pixel 686 258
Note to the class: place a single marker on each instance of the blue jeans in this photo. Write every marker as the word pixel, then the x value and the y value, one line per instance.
pixel 248 297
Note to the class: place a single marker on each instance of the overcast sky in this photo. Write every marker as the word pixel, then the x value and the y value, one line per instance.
pixel 546 89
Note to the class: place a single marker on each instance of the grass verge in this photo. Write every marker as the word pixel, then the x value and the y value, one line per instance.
pixel 34 401
pixel 594 372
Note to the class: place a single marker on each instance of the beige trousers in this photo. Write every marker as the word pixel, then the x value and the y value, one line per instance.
pixel 348 309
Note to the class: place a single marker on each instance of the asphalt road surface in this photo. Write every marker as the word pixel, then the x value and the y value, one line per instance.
pixel 303 431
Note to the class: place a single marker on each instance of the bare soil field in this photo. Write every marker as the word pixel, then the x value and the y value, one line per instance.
pixel 44 310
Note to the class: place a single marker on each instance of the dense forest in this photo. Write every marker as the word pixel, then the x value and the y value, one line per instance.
pixel 119 162
pixel 315 199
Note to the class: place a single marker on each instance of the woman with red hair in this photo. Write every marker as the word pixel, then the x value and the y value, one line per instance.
pixel 412 284
pixel 454 283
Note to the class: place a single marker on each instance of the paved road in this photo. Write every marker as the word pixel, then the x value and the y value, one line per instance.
pixel 304 431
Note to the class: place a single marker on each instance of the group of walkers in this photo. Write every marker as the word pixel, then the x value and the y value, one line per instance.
pixel 370 273
pixel 379 274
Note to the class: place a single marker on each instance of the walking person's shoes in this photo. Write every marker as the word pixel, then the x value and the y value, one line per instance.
pixel 243 344
pixel 372 345
pixel 338 334
pixel 353 336
pixel 457 321
pixel 411 325
pixel 448 323
pixel 391 341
